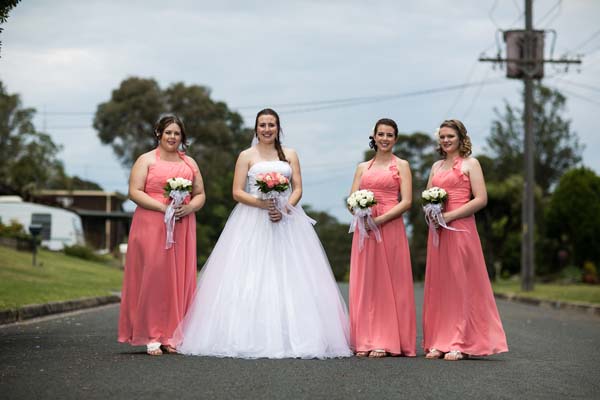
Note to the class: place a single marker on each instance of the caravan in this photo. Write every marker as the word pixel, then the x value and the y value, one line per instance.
pixel 60 227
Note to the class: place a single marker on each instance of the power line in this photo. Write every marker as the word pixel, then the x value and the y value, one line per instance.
pixel 580 96
pixel 557 4
pixel 460 93
pixel 476 97
pixel 586 41
pixel 392 97
pixel 315 105
pixel 581 85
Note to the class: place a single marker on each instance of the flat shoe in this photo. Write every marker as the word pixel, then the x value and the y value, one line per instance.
pixel 378 354
pixel 455 355
pixel 434 354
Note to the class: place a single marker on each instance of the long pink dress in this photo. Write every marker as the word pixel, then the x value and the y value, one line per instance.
pixel 459 311
pixel 159 284
pixel 382 305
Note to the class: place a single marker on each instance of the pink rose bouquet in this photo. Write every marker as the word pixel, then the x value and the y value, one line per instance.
pixel 272 182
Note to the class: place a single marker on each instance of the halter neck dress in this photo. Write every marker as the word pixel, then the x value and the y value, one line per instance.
pixel 382 305
pixel 459 310
pixel 158 284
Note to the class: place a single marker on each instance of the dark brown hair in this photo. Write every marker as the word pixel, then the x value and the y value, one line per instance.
pixel 464 141
pixel 382 121
pixel 270 111
pixel 165 121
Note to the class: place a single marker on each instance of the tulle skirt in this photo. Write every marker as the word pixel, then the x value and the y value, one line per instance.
pixel 267 290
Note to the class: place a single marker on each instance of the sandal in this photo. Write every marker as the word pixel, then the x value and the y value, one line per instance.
pixel 378 353
pixel 455 355
pixel 153 349
pixel 167 348
pixel 434 354
pixel 362 353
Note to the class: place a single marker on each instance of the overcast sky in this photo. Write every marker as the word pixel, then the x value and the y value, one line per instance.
pixel 65 57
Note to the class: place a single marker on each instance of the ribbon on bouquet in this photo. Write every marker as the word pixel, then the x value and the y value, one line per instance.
pixel 287 210
pixel 435 219
pixel 178 197
pixel 362 219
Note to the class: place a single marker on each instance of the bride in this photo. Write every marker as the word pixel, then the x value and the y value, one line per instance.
pixel 267 289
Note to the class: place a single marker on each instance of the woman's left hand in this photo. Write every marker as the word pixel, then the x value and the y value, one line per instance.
pixel 274 213
pixel 183 210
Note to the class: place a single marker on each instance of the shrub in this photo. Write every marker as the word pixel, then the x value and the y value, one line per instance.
pixel 82 252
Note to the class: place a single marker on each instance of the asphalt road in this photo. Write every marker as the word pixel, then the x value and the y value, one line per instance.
pixel 553 355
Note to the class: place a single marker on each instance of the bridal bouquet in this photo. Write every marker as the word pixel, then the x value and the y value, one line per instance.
pixel 360 202
pixel 433 204
pixel 177 189
pixel 271 184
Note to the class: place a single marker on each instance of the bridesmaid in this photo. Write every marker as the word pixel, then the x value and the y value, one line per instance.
pixel 159 284
pixel 382 308
pixel 460 317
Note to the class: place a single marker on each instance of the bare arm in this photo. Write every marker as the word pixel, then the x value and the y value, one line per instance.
pixel 137 181
pixel 356 182
pixel 405 195
pixel 296 194
pixel 239 182
pixel 479 200
pixel 198 195
pixel 434 167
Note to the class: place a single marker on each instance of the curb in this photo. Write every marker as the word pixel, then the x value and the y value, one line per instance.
pixel 40 310
pixel 588 308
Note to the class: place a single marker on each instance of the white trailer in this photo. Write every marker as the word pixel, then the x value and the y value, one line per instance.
pixel 60 227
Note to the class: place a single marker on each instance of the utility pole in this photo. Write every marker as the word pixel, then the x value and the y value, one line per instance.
pixel 525 61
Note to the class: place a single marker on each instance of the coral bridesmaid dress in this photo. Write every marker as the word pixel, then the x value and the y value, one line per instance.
pixel 159 284
pixel 459 311
pixel 382 305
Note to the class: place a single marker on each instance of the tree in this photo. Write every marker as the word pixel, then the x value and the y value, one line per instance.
pixel 573 216
pixel 28 158
pixel 5 8
pixel 215 133
pixel 557 148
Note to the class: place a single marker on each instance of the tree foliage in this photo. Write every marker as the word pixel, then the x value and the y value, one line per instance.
pixel 5 7
pixel 28 158
pixel 557 148
pixel 573 216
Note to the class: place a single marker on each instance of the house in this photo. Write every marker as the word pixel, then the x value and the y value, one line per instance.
pixel 60 227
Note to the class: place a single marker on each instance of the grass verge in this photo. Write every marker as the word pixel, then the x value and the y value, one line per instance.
pixel 575 292
pixel 60 277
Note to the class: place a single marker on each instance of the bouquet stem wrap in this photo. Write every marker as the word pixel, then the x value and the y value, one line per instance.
pixel 286 209
pixel 435 219
pixel 362 219
pixel 178 197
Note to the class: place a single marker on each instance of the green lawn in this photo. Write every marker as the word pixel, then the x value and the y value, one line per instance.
pixel 59 278
pixel 553 291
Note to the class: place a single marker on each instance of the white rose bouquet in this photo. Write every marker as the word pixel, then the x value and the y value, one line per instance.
pixel 433 204
pixel 177 189
pixel 360 202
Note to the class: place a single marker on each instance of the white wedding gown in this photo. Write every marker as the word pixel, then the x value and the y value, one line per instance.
pixel 267 289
